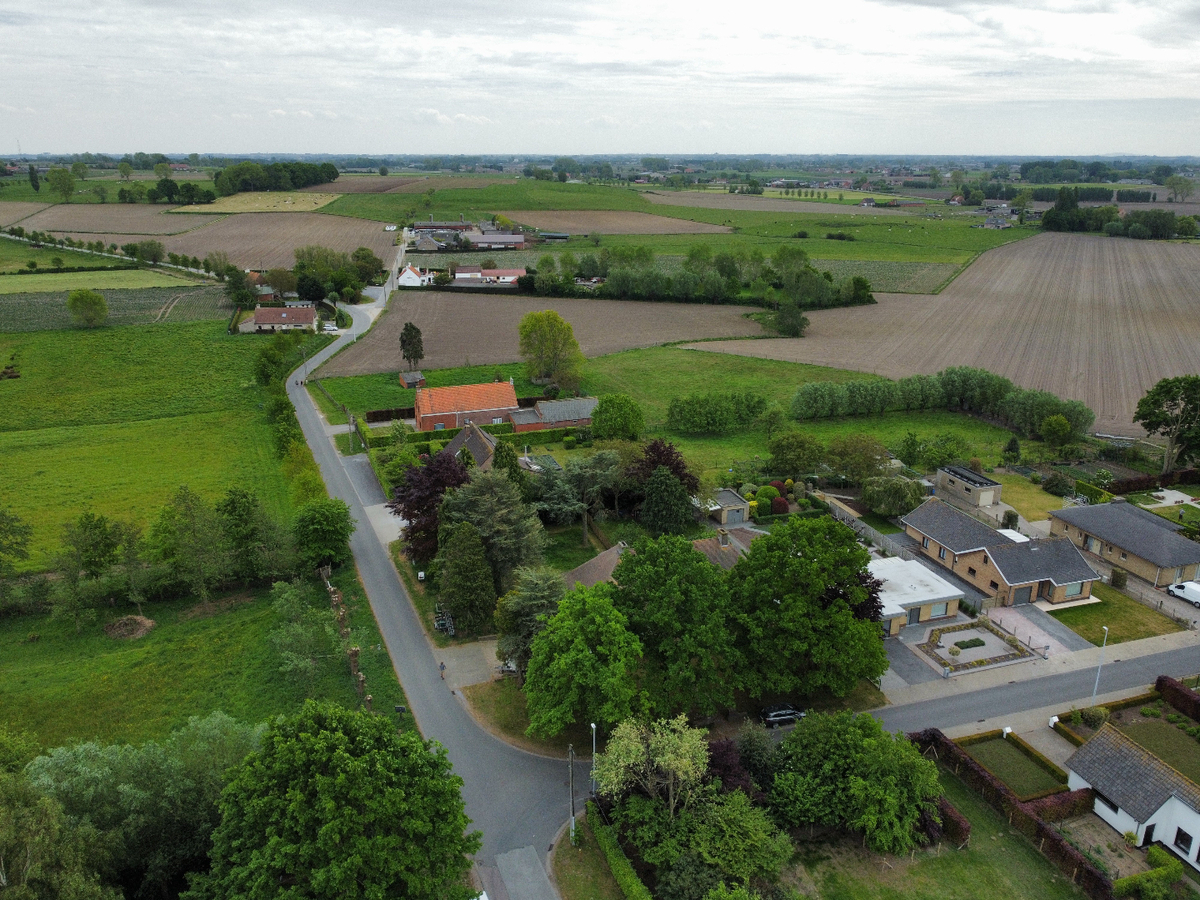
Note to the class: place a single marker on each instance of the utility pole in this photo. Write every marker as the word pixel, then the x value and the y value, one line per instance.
pixel 1101 666
pixel 571 763
pixel 593 760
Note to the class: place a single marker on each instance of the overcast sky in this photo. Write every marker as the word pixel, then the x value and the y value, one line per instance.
pixel 1027 77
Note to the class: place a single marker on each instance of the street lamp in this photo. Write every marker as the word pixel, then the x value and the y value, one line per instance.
pixel 593 759
pixel 1101 666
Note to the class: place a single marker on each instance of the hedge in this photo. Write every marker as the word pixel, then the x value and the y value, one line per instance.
pixel 622 869
pixel 1093 493
pixel 448 434
pixel 1167 870
pixel 1153 482
pixel 955 826
pixel 54 270
pixel 545 436
pixel 1181 698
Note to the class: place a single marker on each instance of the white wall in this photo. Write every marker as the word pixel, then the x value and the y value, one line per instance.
pixel 1172 815
pixel 1120 820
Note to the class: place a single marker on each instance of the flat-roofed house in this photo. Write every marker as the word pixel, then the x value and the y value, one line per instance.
pixel 1138 541
pixel 970 487
pixel 911 594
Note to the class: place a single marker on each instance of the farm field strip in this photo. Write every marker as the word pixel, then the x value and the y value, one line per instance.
pixel 97 219
pixel 762 203
pixel 12 212
pixel 1089 318
pixel 262 201
pixel 358 184
pixel 121 279
pixel 466 329
pixel 610 222
pixel 181 302
pixel 16 254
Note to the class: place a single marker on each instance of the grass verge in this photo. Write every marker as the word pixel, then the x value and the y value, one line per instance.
pixel 1127 620
pixel 500 707
pixel 582 873
pixel 1027 498
pixel 1010 765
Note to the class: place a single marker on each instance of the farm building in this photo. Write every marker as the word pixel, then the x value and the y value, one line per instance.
pixel 911 594
pixel 1016 572
pixel 411 276
pixel 425 243
pixel 431 226
pixel 469 274
pixel 502 276
pixel 281 318
pixel 454 407
pixel 968 487
pixel 412 379
pixel 1134 539
pixel 729 507
pixel 1137 792
pixel 555 414
pixel 997 222
pixel 868 201
pixel 495 240
pixel 554 236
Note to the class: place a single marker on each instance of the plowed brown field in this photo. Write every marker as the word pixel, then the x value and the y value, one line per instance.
pixel 110 218
pixel 14 211
pixel 586 221
pixel 1095 319
pixel 461 329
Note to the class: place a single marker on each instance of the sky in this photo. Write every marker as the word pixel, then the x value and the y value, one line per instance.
pixel 1027 77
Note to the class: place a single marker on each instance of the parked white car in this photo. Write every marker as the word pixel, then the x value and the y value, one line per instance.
pixel 1186 590
pixel 329 327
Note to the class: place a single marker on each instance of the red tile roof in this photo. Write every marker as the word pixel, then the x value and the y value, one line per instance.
pixel 465 398
pixel 500 273
pixel 279 315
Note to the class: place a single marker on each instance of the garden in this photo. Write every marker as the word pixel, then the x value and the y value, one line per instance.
pixel 972 645
pixel 1126 618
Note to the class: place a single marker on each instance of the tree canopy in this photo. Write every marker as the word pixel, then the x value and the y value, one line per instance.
pixel 1172 409
pixel 547 342
pixel 411 346
pixel 467 586
pixel 337 803
pixel 323 528
pixel 524 611
pixel 618 417
pixel 418 500
pixel 667 506
pixel 510 530
pixel 87 308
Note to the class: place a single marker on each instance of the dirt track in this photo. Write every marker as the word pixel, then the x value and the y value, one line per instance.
pixel 1091 318
pixel 462 329
pixel 606 222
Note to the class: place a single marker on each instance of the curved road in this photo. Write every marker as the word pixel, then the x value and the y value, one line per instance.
pixel 515 798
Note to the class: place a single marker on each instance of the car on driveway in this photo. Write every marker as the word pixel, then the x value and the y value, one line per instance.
pixel 1186 590
pixel 780 714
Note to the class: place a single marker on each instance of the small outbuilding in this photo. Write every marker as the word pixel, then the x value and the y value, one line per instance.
pixel 729 507
pixel 911 594
pixel 412 379
pixel 967 486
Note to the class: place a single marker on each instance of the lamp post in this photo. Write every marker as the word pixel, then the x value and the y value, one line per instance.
pixel 1096 687
pixel 593 759
pixel 571 771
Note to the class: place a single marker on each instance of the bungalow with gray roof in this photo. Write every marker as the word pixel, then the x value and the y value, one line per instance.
pixel 1015 571
pixel 597 569
pixel 475 441
pixel 1138 541
pixel 1137 792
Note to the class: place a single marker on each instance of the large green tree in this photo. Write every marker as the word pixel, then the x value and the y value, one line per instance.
pixel 322 529
pixel 87 308
pixel 412 348
pixel 582 665
pixel 676 602
pixel 547 342
pixel 61 182
pixel 591 477
pixel 618 417
pixel 467 584
pixel 511 532
pixel 14 541
pixel 894 496
pixel 794 599
pixel 339 804
pixel 795 454
pixel 666 508
pixel 187 540
pixel 260 549
pixel 665 760
pixel 523 612
pixel 1171 409
pixel 857 456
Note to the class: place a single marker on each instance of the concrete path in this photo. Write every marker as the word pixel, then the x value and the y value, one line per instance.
pixel 515 798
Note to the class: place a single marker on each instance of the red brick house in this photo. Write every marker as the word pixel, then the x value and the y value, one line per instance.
pixel 454 407
pixel 281 318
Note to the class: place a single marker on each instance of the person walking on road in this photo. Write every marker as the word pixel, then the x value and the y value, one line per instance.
pixel 442 670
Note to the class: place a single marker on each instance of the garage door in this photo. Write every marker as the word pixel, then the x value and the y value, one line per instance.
pixel 985 498
pixel 1022 595
pixel 735 517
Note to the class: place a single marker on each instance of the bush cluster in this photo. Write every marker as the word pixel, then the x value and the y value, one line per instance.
pixel 714 413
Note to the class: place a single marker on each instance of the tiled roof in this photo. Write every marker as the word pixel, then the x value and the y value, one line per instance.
pixel 952 529
pixel 502 273
pixel 1057 560
pixel 597 569
pixel 525 417
pixel 412 379
pixel 736 546
pixel 279 315
pixel 727 498
pixel 552 411
pixel 477 442
pixel 1141 533
pixel 498 395
pixel 1130 775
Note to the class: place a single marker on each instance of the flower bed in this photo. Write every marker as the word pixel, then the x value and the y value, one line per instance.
pixel 1012 651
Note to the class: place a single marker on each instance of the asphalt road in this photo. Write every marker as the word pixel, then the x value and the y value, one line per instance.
pixel 515 798
pixel 1062 690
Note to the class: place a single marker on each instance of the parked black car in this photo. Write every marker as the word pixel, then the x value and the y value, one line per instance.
pixel 780 714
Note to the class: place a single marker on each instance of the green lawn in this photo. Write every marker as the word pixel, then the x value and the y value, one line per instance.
pixel 116 419
pixel 1034 504
pixel 881 524
pixel 182 301
pixel 99 281
pixel 1170 744
pixel 1127 620
pixel 1006 761
pixel 500 707
pixel 565 550
pixel 65 686
pixel 998 863
pixel 582 872
pixel 15 255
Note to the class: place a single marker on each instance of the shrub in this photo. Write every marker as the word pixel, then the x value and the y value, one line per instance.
pixel 1167 870
pixel 781 487
pixel 969 643
pixel 955 826
pixel 779 506
pixel 1119 578
pixel 1058 484
pixel 1011 640
pixel 1114 229
pixel 1011 519
pixel 1150 712
pixel 568 443
pixel 627 880
pixel 748 490
pixel 1035 477
pixel 766 494
pixel 1094 716
pixel 955 651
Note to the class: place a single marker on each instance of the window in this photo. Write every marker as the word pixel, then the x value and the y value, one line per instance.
pixel 496 420
pixel 967 489
pixel 925 542
pixel 1074 589
pixel 993 586
pixel 1183 841
pixel 970 570
pixel 985 562
pixel 951 481
pixel 1179 574
pixel 937 610
pixel 1124 555
pixel 1107 802
pixel 941 552
pixel 440 426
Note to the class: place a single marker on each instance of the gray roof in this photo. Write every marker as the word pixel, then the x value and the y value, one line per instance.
pixel 1134 530
pixel 477 442
pixel 525 417
pixel 597 569
pixel 412 379
pixel 552 411
pixel 972 478
pixel 727 498
pixel 1130 775
pixel 952 529
pixel 1055 560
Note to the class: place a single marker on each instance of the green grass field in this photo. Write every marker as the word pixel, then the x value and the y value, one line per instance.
pixel 1006 761
pixel 1167 742
pixel 98 281
pixel 117 418
pixel 65 686
pixel 1034 504
pixel 15 255
pixel 182 301
pixel 1127 620
pixel 998 863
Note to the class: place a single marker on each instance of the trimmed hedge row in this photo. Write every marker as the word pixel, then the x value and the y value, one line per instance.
pixel 955 826
pixel 1167 870
pixel 1031 819
pixel 448 434
pixel 1063 727
pixel 622 869
pixel 1093 493
pixel 1066 732
pixel 1034 756
pixel 1180 697
pixel 54 270
pixel 1042 762
pixel 1152 482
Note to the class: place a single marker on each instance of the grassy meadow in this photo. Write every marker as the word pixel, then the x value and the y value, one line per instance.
pixel 116 419
pixel 179 301
pixel 16 255
pixel 119 279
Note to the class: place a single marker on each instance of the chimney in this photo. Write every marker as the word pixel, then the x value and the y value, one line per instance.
pixel 461 219
pixel 510 381
pixel 722 537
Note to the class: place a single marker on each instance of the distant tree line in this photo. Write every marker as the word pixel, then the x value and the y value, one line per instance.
pixel 1160 224
pixel 284 176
